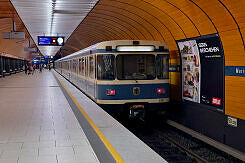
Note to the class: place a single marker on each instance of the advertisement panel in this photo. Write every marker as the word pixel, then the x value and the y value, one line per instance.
pixel 190 70
pixel 203 70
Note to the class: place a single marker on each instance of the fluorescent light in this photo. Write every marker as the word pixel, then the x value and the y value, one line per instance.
pixel 135 48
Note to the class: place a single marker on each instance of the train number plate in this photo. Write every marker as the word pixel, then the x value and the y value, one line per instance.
pixel 232 121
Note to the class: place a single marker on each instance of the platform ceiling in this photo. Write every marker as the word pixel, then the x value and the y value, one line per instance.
pixel 52 18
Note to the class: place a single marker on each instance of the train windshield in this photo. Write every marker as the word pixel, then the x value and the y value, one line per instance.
pixel 105 69
pixel 162 66
pixel 136 67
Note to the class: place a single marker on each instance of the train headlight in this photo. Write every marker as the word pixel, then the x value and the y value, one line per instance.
pixel 161 91
pixel 110 92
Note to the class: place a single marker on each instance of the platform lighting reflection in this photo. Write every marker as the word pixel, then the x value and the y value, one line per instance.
pixel 135 48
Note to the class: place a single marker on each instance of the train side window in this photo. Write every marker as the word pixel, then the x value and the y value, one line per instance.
pixel 73 65
pixel 86 66
pixel 70 65
pixel 105 67
pixel 162 66
pixel 77 66
pixel 80 66
pixel 91 67
pixel 83 66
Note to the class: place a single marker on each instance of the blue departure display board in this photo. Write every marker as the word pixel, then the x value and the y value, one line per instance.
pixel 51 41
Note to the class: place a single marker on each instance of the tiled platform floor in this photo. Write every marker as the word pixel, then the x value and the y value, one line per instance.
pixel 37 124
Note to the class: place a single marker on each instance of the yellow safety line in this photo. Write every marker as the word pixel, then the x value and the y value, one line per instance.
pixel 108 145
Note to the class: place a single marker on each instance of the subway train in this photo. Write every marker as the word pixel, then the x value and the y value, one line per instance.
pixel 122 76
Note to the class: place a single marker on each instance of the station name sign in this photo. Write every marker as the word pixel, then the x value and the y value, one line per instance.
pixel 51 41
pixel 235 71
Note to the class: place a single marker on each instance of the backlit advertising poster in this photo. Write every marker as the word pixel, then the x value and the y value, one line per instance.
pixel 203 70
pixel 191 70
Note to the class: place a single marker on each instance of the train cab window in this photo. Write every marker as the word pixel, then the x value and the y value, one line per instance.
pixel 162 66
pixel 105 67
pixel 91 67
pixel 136 67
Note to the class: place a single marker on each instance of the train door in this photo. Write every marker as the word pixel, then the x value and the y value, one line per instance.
pixel 73 74
pixel 69 70
pixel 76 70
pixel 92 80
pixel 86 73
pixel 83 81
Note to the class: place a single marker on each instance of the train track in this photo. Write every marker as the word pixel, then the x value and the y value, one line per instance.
pixel 174 145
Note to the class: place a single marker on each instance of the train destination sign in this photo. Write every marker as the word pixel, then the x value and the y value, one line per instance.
pixel 125 48
pixel 51 41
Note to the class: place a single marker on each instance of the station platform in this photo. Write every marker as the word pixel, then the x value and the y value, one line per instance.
pixel 45 119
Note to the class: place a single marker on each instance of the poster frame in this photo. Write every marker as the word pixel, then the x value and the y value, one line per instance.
pixel 181 71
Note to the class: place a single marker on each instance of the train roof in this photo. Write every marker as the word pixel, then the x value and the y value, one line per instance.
pixel 113 43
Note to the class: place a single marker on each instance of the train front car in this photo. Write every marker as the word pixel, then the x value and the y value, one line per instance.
pixel 132 76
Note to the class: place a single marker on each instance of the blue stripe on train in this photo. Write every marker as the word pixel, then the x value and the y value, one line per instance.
pixel 125 91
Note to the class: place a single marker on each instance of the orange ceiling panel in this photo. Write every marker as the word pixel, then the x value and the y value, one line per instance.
pixel 165 20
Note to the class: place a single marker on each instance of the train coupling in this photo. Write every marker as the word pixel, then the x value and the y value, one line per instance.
pixel 137 111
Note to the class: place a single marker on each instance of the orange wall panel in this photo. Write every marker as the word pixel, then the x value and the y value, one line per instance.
pixel 234 99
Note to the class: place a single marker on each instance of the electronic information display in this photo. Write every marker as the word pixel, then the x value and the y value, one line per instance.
pixel 51 41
